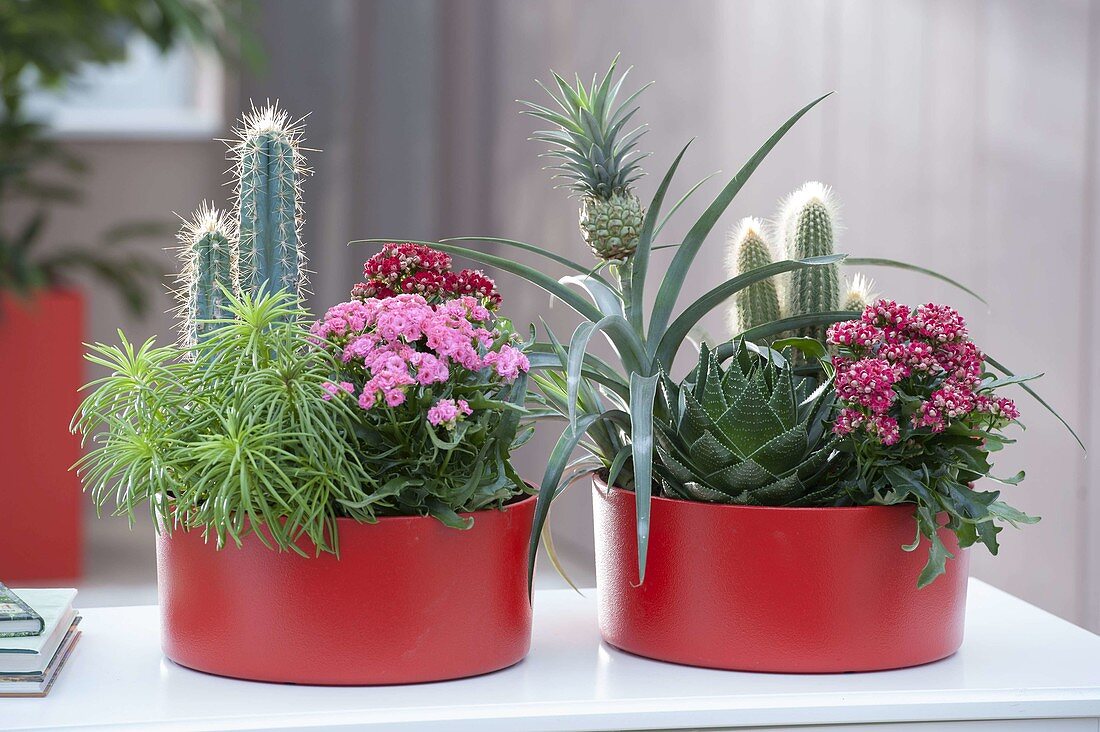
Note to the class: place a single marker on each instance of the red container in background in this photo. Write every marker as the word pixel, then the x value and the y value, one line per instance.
pixel 41 371
pixel 789 590
pixel 409 600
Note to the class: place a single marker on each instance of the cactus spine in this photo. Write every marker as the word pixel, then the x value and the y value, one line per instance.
pixel 269 168
pixel 759 303
pixel 809 222
pixel 209 272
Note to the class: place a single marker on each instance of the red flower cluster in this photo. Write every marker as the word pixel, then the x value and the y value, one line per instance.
pixel 892 350
pixel 414 269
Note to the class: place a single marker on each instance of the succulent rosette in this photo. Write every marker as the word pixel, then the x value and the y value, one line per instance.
pixel 439 381
pixel 920 414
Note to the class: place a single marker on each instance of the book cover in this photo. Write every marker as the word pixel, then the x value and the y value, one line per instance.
pixel 17 618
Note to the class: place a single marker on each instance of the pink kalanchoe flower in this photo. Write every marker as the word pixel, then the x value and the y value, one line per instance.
pixel 869 383
pixel 938 323
pixel 332 389
pixel 854 334
pixel 886 314
pixel 448 412
pixel 508 362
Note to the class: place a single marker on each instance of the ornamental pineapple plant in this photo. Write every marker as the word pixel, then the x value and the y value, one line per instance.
pixel 257 248
pixel 598 158
pixel 751 432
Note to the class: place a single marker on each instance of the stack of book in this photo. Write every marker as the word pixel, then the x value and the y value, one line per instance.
pixel 38 630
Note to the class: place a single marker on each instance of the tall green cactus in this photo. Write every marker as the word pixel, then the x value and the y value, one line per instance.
pixel 809 221
pixel 269 168
pixel 261 247
pixel 758 303
pixel 209 272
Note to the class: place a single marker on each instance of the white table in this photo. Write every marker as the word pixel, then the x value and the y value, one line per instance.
pixel 1019 669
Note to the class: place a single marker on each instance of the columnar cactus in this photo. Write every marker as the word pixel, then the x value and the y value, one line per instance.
pixel 269 169
pixel 260 247
pixel 759 303
pixel 859 294
pixel 209 273
pixel 809 221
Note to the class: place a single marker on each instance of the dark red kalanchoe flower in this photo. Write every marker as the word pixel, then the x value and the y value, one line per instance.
pixel 404 267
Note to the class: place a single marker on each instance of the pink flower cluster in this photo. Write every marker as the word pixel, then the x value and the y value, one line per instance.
pixel 891 350
pixel 448 412
pixel 415 269
pixel 402 341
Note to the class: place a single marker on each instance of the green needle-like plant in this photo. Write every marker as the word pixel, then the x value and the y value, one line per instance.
pixel 228 434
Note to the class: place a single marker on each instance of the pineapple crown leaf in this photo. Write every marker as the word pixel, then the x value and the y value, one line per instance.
pixel 597 157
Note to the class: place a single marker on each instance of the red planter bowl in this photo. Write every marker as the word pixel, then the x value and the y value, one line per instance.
pixel 791 590
pixel 42 352
pixel 409 600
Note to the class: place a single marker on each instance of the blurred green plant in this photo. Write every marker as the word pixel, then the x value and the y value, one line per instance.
pixel 43 45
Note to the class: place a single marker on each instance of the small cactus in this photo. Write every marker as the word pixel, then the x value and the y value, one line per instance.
pixel 748 250
pixel 269 169
pixel 809 222
pixel 860 293
pixel 210 271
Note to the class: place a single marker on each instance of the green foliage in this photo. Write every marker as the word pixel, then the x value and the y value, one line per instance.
pixel 269 208
pixel 750 433
pixel 759 303
pixel 229 434
pixel 937 472
pixel 442 472
pixel 43 44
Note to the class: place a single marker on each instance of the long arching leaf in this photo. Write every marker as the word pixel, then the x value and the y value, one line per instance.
pixel 605 297
pixel 555 468
pixel 541 251
pixel 673 280
pixel 640 260
pixel 665 351
pixel 643 389
pixel 618 329
pixel 776 327
pixel 530 274
pixel 880 262
pixel 993 362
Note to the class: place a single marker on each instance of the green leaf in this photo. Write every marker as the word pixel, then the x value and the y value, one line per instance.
pixel 619 330
pixel 606 298
pixel 763 332
pixel 993 362
pixel 674 278
pixel 640 260
pixel 665 350
pixel 541 251
pixel 643 389
pixel 555 468
pixel 810 347
pixel 880 262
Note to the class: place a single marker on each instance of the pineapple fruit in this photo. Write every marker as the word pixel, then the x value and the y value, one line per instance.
pixel 598 159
